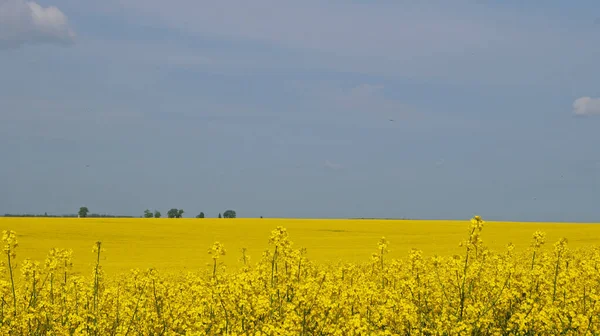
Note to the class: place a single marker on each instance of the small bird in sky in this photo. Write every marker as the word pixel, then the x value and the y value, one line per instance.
pixel 391 119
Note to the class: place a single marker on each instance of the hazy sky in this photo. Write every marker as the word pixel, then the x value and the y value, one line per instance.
pixel 282 108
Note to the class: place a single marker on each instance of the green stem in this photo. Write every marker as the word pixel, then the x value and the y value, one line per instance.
pixel 99 244
pixel 12 281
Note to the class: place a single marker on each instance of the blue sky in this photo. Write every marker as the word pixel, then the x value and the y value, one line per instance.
pixel 282 108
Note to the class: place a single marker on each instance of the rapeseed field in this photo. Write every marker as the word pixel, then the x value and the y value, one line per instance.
pixel 297 277
pixel 180 244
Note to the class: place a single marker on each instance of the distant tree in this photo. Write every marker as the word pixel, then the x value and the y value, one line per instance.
pixel 175 213
pixel 83 211
pixel 220 215
pixel 201 215
pixel 229 214
pixel 45 214
pixel 148 214
pixel 261 217
pixel 157 214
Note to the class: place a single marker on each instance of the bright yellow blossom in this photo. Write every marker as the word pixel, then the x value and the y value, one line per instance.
pixel 479 291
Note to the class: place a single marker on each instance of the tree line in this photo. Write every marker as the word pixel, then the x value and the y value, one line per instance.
pixel 178 213
pixel 91 215
pixel 172 213
pixel 84 212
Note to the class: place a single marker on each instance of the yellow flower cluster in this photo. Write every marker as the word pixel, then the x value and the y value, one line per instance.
pixel 479 291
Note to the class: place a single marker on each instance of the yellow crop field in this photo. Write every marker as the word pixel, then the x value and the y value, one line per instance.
pixel 297 277
pixel 181 244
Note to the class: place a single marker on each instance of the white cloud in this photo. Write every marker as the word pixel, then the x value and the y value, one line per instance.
pixel 26 22
pixel 369 99
pixel 333 165
pixel 359 105
pixel 585 106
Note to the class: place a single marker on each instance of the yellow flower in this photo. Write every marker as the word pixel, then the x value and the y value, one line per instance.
pixel 478 291
pixel 539 238
pixel 10 242
pixel 217 250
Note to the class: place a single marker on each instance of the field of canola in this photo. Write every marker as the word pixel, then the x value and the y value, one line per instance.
pixel 338 277
pixel 180 244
